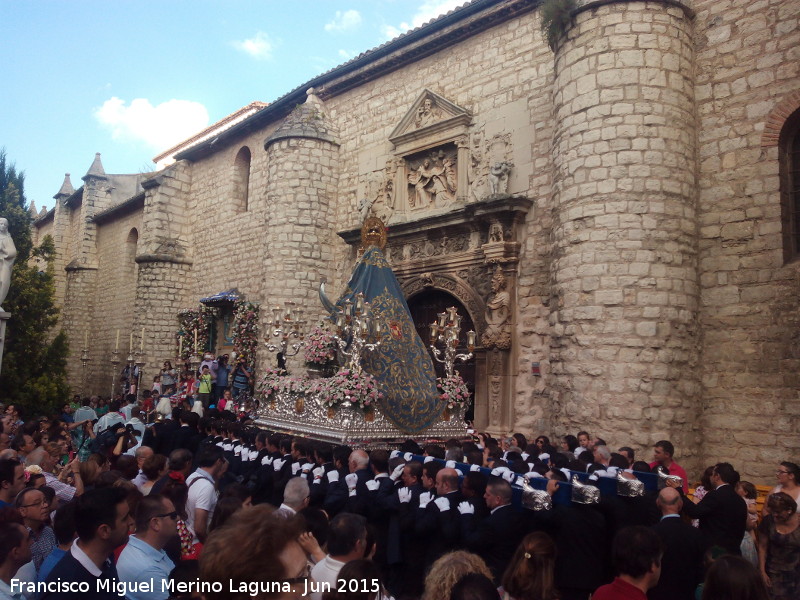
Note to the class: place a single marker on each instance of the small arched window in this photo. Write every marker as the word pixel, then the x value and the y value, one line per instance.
pixel 789 145
pixel 241 179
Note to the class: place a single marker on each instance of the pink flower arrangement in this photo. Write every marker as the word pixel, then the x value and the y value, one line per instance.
pixel 245 330
pixel 453 390
pixel 192 320
pixel 360 389
pixel 320 347
pixel 276 381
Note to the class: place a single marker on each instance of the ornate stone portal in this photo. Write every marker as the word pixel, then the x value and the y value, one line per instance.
pixel 472 254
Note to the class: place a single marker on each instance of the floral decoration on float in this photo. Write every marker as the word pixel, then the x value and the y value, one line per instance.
pixel 349 388
pixel 453 390
pixel 246 330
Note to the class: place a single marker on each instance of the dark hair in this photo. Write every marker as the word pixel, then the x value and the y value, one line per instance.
pixel 522 441
pixel 635 550
pixel 324 452
pixel 379 459
pixel 431 468
pixel 7 468
pixel 665 446
pixel 794 470
pixel 224 510
pixel 734 578
pixel 127 465
pixel 360 570
pixel 474 586
pixel 147 508
pixel 64 523
pixel 179 458
pixel 153 465
pixel 726 473
pixel 571 441
pixel 529 575
pixel 629 450
pixel 642 467
pixel 476 481
pixel 208 455
pixel 178 492
pixel 345 531
pixel 434 450
pixel 586 457
pixel 499 487
pixel 617 460
pixel 780 501
pixel 750 491
pixel 11 536
pixel 415 469
pixel 95 508
pixel 474 457
pixel 316 523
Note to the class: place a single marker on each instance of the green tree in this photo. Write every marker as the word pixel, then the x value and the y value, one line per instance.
pixel 34 362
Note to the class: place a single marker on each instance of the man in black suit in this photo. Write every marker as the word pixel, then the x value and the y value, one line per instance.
pixel 722 512
pixel 682 562
pixel 438 518
pixel 496 537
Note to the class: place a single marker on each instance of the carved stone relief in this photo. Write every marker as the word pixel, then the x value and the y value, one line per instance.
pixel 427 113
pixel 491 161
pixel 432 178
pixel 498 314
pixel 377 194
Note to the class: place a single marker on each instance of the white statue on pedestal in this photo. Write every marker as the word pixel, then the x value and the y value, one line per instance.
pixel 8 254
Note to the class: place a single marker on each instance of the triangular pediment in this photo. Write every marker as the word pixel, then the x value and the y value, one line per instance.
pixel 430 116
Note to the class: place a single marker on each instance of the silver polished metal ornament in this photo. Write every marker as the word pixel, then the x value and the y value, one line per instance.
pixel 584 494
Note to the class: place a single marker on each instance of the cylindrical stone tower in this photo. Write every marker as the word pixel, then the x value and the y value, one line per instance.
pixel 624 267
pixel 301 195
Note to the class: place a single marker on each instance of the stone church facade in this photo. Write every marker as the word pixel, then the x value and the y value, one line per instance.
pixel 614 216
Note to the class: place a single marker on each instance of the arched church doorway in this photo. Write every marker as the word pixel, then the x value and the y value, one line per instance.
pixel 424 307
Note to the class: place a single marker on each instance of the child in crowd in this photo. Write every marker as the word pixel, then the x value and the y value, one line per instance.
pixel 748 491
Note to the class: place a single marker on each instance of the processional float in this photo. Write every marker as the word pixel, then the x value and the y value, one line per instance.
pixel 386 389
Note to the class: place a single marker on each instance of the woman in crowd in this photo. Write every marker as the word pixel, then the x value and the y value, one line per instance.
pixel 153 467
pixel 176 490
pixel 788 476
pixel 733 578
pixel 352 587
pixel 168 379
pixel 448 569
pixel 779 547
pixel 529 576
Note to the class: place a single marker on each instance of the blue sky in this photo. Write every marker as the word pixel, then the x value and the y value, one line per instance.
pixel 129 79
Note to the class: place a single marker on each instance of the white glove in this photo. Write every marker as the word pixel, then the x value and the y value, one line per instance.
pixel 450 464
pixel 404 495
pixel 544 457
pixel 566 472
pixel 318 473
pixel 278 463
pixel 612 471
pixel 520 480
pixel 475 468
pixel 397 473
pixel 498 471
pixel 465 508
pixel 295 468
pixel 267 460
pixel 525 456
pixel 533 475
pixel 443 503
pixel 333 476
pixel 395 454
pixel 425 499
pixel 307 467
pixel 237 450
pixel 372 485
pixel 509 476
pixel 408 457
pixel 428 459
pixel 351 479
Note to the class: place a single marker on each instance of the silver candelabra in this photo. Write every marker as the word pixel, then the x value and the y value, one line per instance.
pixel 357 329
pixel 446 330
pixel 287 325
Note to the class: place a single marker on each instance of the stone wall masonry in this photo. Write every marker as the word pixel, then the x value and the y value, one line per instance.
pixel 115 302
pixel 625 294
pixel 79 304
pixel 748 62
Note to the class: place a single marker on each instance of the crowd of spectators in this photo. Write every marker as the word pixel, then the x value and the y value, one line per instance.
pixel 129 503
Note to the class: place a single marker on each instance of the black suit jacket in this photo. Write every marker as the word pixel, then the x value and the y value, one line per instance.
pixel 682 563
pixel 495 538
pixel 69 569
pixel 723 517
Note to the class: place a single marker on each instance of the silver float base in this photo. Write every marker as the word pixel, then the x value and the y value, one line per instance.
pixel 305 415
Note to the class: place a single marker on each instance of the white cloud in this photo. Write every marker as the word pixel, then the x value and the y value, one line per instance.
pixel 345 54
pixel 259 46
pixel 344 21
pixel 429 9
pixel 160 126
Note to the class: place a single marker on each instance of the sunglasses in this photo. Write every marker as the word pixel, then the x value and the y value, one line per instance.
pixel 172 515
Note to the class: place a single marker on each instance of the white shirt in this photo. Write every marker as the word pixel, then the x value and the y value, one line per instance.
pixel 325 571
pixel 202 495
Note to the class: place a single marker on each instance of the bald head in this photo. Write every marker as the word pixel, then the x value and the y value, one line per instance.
pixel 669 501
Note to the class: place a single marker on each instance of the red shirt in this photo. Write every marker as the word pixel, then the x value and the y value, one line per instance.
pixel 619 590
pixel 676 469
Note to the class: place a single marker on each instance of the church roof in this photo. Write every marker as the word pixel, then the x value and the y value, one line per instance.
pixel 66 188
pixel 458 24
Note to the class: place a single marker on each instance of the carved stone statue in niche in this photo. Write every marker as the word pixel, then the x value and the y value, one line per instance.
pixel 498 178
pixel 432 181
pixel 427 113
pixel 498 315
